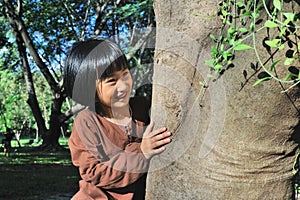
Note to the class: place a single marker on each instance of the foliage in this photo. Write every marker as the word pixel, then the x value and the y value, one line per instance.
pixel 241 21
pixel 13 109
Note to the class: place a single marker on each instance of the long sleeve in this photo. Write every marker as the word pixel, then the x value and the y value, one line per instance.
pixel 102 163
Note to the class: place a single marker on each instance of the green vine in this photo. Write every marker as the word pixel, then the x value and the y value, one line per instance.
pixel 240 20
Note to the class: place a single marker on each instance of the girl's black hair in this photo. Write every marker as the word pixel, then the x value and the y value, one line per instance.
pixel 87 62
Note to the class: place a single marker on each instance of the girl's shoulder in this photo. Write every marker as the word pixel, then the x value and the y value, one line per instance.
pixel 140 107
pixel 87 115
pixel 87 118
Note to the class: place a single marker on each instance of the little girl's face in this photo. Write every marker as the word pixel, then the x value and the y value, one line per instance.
pixel 114 92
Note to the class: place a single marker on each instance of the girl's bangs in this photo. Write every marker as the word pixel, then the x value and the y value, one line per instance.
pixel 118 64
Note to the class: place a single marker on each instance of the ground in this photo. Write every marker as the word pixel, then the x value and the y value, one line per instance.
pixel 31 174
pixel 40 181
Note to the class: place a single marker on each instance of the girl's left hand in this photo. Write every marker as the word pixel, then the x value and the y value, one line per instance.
pixel 154 142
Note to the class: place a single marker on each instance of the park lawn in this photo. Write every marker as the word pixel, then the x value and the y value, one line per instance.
pixel 29 173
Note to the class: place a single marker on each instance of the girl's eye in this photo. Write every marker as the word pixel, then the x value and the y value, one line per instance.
pixel 111 80
pixel 125 74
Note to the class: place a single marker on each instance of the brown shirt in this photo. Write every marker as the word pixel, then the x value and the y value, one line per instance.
pixel 110 161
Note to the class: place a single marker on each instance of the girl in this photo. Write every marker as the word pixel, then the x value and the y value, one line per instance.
pixel 109 142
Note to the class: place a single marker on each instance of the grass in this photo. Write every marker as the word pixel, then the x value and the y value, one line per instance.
pixel 31 174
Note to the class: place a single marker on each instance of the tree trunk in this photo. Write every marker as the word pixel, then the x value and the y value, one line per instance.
pixel 32 100
pixel 231 140
pixel 51 138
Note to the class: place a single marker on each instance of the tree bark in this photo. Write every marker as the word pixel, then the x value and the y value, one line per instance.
pixel 51 138
pixel 231 141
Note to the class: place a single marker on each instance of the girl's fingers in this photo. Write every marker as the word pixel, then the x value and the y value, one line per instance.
pixel 149 133
pixel 159 150
pixel 157 132
pixel 162 136
pixel 161 143
pixel 149 129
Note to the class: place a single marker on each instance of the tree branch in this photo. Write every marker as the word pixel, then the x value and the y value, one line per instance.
pixel 140 42
pixel 69 113
pixel 19 8
pixel 71 17
pixel 100 22
pixel 17 22
pixel 85 19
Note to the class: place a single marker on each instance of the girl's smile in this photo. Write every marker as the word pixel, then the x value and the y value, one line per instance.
pixel 122 96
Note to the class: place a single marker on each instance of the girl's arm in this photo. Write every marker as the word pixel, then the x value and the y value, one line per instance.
pixel 121 170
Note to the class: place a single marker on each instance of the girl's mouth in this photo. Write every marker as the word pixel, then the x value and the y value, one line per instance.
pixel 121 96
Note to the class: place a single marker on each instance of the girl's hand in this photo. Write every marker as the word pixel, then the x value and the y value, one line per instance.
pixel 154 142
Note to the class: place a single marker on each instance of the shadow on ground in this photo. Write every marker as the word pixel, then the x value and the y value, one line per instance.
pixel 31 174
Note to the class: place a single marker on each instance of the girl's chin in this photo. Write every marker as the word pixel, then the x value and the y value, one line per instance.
pixel 120 104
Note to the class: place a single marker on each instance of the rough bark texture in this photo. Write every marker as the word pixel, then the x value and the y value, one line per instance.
pixel 230 142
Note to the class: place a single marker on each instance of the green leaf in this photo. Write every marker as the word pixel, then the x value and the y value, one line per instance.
pixel 286 22
pixel 270 24
pixel 210 76
pixel 220 39
pixel 231 30
pixel 255 15
pixel 259 6
pixel 252 26
pixel 241 47
pixel 231 41
pixel 289 61
pixel 246 13
pixel 214 51
pixel 282 31
pixel 274 64
pixel 277 4
pixel 210 63
pixel 290 16
pixel 288 76
pixel 218 67
pixel 243 30
pixel 222 47
pixel 212 37
pixel 227 54
pixel 259 81
pixel 281 47
pixel 228 22
pixel 224 12
pixel 272 43
pixel 239 4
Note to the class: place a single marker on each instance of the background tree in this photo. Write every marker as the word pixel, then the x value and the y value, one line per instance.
pixel 12 109
pixel 231 140
pixel 39 34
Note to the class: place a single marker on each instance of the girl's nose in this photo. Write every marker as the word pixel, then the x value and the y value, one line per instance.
pixel 121 86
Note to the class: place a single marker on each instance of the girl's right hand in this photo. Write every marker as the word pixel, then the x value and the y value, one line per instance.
pixel 154 142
